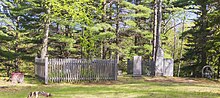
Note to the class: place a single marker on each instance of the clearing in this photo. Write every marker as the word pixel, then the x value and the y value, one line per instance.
pixel 125 87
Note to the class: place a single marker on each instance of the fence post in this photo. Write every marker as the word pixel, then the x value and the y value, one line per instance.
pixel 116 69
pixel 46 70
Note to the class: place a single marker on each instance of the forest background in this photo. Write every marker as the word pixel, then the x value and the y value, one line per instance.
pixel 109 29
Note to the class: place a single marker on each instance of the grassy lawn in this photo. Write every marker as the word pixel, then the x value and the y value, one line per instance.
pixel 125 87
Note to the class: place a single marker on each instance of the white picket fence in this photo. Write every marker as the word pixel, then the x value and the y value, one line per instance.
pixel 71 70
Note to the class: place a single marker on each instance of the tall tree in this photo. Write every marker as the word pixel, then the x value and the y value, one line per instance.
pixel 198 36
pixel 47 7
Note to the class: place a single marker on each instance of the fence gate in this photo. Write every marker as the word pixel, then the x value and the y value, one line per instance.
pixel 69 70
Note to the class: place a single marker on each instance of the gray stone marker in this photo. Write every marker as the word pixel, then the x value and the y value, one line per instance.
pixel 137 66
pixel 168 67
pixel 159 63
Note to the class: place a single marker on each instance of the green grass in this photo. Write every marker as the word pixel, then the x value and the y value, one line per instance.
pixel 125 87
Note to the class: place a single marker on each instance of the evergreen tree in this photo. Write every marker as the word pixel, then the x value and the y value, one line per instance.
pixel 199 36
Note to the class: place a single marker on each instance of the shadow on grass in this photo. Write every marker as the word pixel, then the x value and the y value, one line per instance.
pixel 122 88
pixel 121 91
pixel 178 94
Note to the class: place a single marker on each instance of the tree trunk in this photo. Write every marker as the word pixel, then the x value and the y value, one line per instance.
pixel 58 28
pixel 104 10
pixel 218 66
pixel 103 46
pixel 46 34
pixel 203 34
pixel 174 39
pixel 16 47
pixel 16 54
pixel 117 32
pixel 157 43
pixel 136 37
pixel 8 68
pixel 81 48
pixel 155 31
pixel 159 22
pixel 110 54
pixel 104 50
pixel 157 27
pixel 181 48
pixel 110 18
pixel 135 43
pixel 154 38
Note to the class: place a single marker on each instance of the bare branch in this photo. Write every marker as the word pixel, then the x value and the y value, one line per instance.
pixel 172 27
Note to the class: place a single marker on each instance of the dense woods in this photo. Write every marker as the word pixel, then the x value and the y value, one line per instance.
pixel 187 30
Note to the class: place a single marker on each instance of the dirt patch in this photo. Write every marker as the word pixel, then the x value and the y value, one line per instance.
pixel 173 80
pixel 4 83
pixel 179 80
pixel 9 89
pixel 98 82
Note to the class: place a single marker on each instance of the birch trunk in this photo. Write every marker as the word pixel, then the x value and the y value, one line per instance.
pixel 46 34
pixel 155 30
pixel 174 39
pixel 181 48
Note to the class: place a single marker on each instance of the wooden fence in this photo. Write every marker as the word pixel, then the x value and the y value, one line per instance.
pixel 70 70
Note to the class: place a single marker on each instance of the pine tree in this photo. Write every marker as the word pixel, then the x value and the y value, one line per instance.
pixel 198 36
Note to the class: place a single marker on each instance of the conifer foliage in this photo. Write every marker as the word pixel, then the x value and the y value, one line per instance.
pixel 110 29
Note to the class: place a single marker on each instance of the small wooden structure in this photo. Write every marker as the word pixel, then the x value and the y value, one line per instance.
pixel 70 70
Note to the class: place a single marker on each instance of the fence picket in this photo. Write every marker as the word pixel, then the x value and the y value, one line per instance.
pixel 57 71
